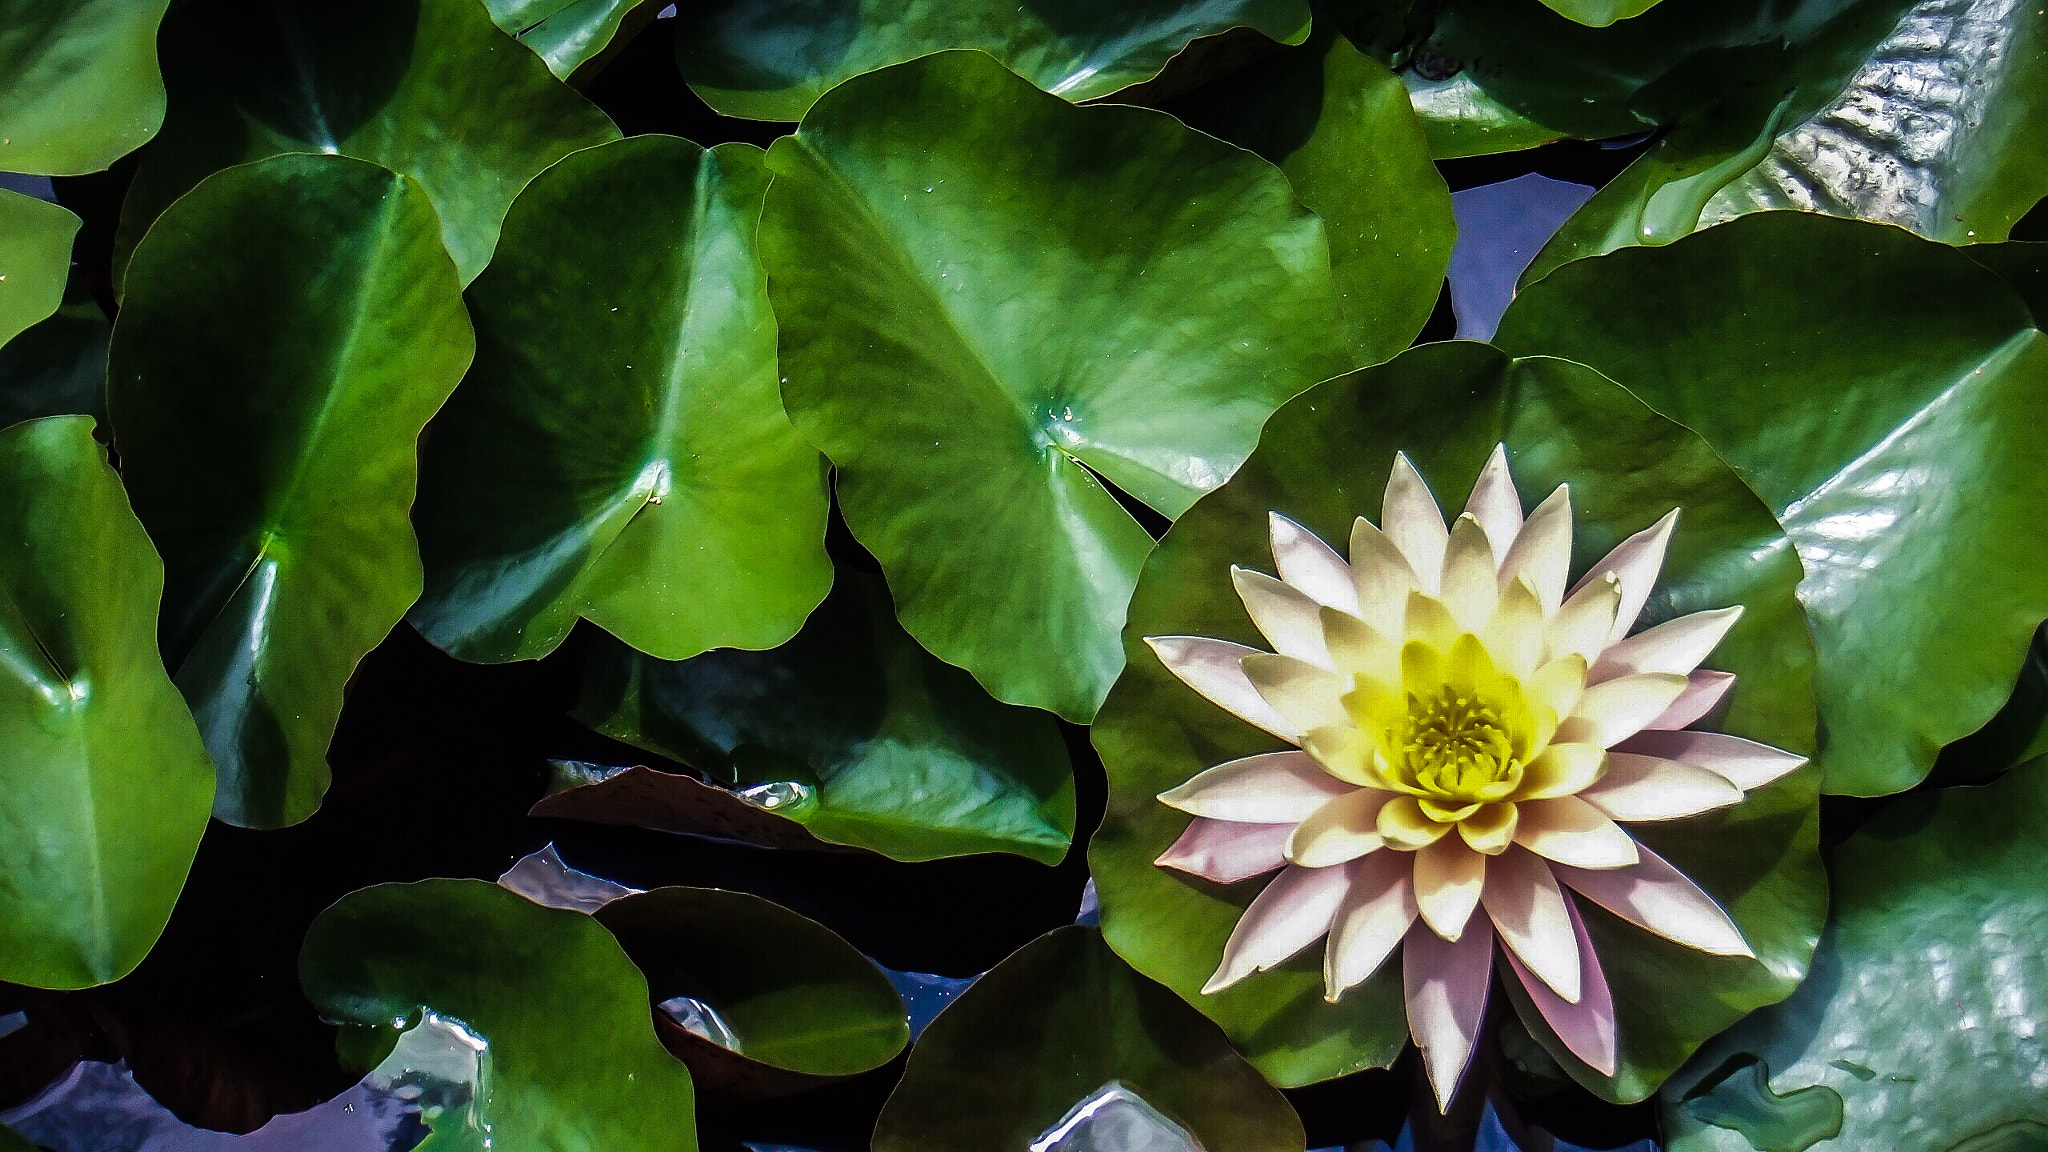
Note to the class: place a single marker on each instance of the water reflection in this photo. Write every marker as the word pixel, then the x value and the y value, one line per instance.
pixel 1114 1118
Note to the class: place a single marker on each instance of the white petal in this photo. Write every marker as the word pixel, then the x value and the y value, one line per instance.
pixel 1307 696
pixel 1214 668
pixel 1635 562
pixel 1657 896
pixel 1273 788
pixel 1703 690
pixel 1285 615
pixel 1375 914
pixel 1528 910
pixel 1673 646
pixel 1312 566
pixel 1581 625
pixel 1227 853
pixel 1495 503
pixel 1587 1027
pixel 1743 763
pixel 1411 519
pixel 1342 829
pixel 1292 913
pixel 1446 986
pixel 1381 576
pixel 1360 649
pixel 1471 584
pixel 1609 713
pixel 1448 878
pixel 1647 788
pixel 1571 831
pixel 1542 551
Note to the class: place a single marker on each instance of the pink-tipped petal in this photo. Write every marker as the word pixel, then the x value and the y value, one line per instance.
pixel 1271 788
pixel 1411 519
pixel 1448 879
pixel 1311 566
pixel 1587 1027
pixel 1570 831
pixel 1743 763
pixel 1639 787
pixel 1657 896
pixel 1542 551
pixel 1292 913
pixel 1215 669
pixel 1370 923
pixel 1528 910
pixel 1225 852
pixel 1495 503
pixel 1703 690
pixel 1673 646
pixel 1446 983
pixel 1635 562
pixel 1284 615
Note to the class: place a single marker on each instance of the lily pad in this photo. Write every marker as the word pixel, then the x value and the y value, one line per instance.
pixel 35 256
pixel 1340 126
pixel 1600 13
pixel 1918 1030
pixel 1857 376
pixel 1935 128
pixel 1323 461
pixel 853 731
pixel 773 59
pixel 619 450
pixel 993 301
pixel 268 416
pixel 568 34
pixel 429 88
pixel 79 86
pixel 2024 266
pixel 58 367
pixel 564 1051
pixel 104 785
pixel 1064 1022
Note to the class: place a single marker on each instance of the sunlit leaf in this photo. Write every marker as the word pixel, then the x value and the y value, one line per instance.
pixel 79 86
pixel 568 34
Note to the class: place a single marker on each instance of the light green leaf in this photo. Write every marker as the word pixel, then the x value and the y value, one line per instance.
pixel 569 34
pixel 267 410
pixel 619 451
pixel 79 86
pixel 1600 13
pixel 35 255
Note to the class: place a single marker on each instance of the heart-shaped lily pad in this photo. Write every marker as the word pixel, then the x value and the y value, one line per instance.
pixel 35 255
pixel 1858 377
pixel 104 785
pixel 79 86
pixel 1323 461
pixel 619 450
pixel 991 301
pixel 268 415
pixel 1064 1042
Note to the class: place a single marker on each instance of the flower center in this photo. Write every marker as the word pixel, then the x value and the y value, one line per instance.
pixel 1456 746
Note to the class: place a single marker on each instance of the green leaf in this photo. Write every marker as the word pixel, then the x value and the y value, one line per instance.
pixel 59 366
pixel 1323 461
pixel 267 410
pixel 619 451
pixel 568 34
pixel 1934 127
pixel 1919 1025
pixel 1340 126
pixel 35 256
pixel 989 298
pixel 882 746
pixel 1600 13
pixel 1048 1027
pixel 1859 378
pixel 429 88
pixel 772 59
pixel 79 86
pixel 2024 266
pixel 104 785
pixel 568 1056
pixel 795 1005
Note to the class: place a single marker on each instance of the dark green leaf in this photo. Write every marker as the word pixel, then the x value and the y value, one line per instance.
pixel 619 452
pixel 879 745
pixel 104 785
pixel 990 297
pixel 2024 266
pixel 59 366
pixel 1860 379
pixel 1052 1025
pixel 568 1056
pixel 267 408
pixel 79 86
pixel 1323 461
pixel 772 59
pixel 429 88
pixel 1919 1028
pixel 568 34
pixel 35 255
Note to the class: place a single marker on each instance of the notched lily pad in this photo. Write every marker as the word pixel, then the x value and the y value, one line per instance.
pixel 571 35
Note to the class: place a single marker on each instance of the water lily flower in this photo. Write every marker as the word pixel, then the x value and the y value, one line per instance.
pixel 1469 733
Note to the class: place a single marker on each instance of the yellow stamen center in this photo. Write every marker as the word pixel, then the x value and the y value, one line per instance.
pixel 1456 747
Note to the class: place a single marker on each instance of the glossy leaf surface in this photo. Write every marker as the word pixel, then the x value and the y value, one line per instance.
pixel 35 255
pixel 267 410
pixel 772 59
pixel 104 785
pixel 1323 461
pixel 429 88
pixel 1063 1017
pixel 79 86
pixel 619 450
pixel 565 1054
pixel 989 298
pixel 1918 1031
pixel 1600 13
pixel 883 746
pixel 1858 378
pixel 568 34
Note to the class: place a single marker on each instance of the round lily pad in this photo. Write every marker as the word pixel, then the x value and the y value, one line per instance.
pixel 79 86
